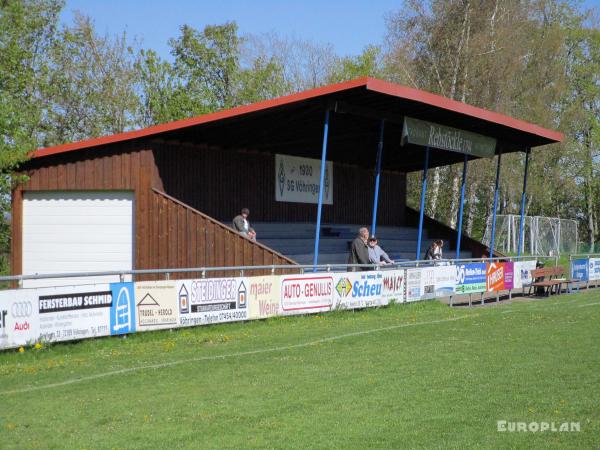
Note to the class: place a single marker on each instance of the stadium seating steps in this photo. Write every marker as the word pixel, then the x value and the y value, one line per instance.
pixel 296 241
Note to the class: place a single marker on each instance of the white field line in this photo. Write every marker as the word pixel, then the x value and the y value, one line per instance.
pixel 227 355
pixel 589 304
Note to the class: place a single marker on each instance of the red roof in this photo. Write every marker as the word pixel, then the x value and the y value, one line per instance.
pixel 369 84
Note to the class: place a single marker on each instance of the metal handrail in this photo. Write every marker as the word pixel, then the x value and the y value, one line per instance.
pixel 583 255
pixel 272 268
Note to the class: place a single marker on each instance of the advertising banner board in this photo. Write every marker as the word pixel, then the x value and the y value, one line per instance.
pixel 509 275
pixel 62 313
pixel 470 278
pixel 594 269
pixel 393 287
pixel 428 283
pixel 122 311
pixel 580 269
pixel 302 294
pixel 156 305
pixel 522 273
pixel 212 300
pixel 358 290
pixel 445 280
pixel 263 297
pixel 413 285
pixel 19 317
pixel 495 277
pixel 74 312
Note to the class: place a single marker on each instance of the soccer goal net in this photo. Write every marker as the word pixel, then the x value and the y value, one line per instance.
pixel 541 235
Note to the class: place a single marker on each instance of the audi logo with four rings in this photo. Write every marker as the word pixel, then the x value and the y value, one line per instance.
pixel 21 309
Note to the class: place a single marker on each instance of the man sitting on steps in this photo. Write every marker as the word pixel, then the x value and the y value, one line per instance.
pixel 242 225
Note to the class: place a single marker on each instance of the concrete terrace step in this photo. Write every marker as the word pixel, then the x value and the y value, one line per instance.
pixel 284 234
pixel 304 244
pixel 265 227
pixel 311 225
pixel 342 258
pixel 296 240
pixel 329 244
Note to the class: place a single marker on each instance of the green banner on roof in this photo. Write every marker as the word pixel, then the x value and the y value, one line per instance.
pixel 428 134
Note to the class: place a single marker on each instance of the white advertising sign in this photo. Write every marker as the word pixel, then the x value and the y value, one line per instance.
pixel 301 294
pixel 413 284
pixel 445 280
pixel 263 297
pixel 156 305
pixel 65 313
pixel 212 300
pixel 393 286
pixel 594 271
pixel 428 283
pixel 297 180
pixel 19 319
pixel 522 273
pixel 74 313
pixel 359 290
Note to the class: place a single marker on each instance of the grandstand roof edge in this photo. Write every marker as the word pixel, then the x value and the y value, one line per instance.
pixel 371 84
pixel 405 92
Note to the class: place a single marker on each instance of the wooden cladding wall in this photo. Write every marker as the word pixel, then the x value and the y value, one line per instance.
pixel 132 167
pixel 220 182
pixel 180 236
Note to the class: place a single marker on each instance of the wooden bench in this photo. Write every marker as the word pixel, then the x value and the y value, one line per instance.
pixel 550 278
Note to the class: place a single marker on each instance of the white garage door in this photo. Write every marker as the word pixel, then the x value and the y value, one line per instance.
pixel 66 232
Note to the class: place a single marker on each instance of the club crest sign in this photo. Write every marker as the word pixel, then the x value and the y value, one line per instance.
pixel 297 180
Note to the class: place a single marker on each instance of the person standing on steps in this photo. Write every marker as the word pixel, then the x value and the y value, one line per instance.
pixel 434 252
pixel 359 251
pixel 376 253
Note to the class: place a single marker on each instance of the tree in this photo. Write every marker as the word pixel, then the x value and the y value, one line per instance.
pixel 208 62
pixel 164 96
pixel 263 80
pixel 26 33
pixel 91 85
pixel 368 63
pixel 582 112
pixel 304 64
pixel 210 72
pixel 505 56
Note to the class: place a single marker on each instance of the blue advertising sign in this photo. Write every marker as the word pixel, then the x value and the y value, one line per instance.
pixel 122 311
pixel 470 278
pixel 579 269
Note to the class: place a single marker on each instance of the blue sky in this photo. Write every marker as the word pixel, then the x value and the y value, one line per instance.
pixel 349 25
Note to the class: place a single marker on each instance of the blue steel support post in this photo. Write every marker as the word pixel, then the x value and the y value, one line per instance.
pixel 421 212
pixel 495 203
pixel 377 176
pixel 462 205
pixel 521 222
pixel 321 183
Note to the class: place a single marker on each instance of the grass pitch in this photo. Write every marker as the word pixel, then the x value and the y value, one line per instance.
pixel 420 375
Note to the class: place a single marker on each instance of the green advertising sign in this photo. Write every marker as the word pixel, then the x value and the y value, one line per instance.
pixel 430 134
